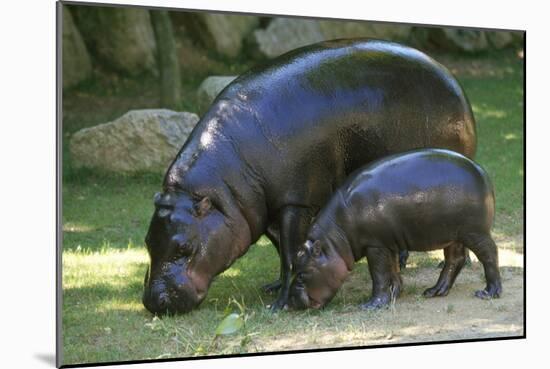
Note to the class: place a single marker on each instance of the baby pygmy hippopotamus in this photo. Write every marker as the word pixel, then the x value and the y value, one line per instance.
pixel 420 200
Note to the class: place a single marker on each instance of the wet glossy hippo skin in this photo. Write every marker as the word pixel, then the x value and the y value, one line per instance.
pixel 276 143
pixel 422 200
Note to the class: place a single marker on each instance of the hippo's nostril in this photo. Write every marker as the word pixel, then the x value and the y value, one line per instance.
pixel 163 301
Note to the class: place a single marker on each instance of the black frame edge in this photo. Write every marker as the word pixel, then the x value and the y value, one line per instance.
pixel 58 173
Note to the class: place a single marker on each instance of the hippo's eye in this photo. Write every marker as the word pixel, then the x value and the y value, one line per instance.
pixel 163 212
pixel 182 251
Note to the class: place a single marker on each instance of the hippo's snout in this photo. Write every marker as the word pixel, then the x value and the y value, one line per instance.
pixel 156 302
pixel 170 301
pixel 170 293
pixel 298 299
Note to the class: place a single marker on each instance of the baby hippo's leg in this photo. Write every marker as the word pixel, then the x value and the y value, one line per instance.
pixel 483 246
pixel 454 261
pixel 384 272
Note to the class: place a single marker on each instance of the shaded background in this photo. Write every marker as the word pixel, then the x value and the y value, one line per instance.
pixel 112 54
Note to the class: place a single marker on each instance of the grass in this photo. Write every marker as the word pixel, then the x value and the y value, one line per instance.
pixel 105 218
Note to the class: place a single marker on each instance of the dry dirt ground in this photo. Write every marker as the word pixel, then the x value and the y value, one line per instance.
pixel 458 316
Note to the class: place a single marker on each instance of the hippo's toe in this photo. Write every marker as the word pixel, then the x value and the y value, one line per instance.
pixel 437 290
pixel 491 292
pixel 376 302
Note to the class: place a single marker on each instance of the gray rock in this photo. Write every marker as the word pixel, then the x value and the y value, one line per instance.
pixel 210 88
pixel 121 38
pixel 500 39
pixel 77 65
pixel 285 34
pixel 223 32
pixel 459 39
pixel 351 29
pixel 518 38
pixel 140 140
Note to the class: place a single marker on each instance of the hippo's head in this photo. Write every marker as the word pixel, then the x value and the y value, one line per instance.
pixel 186 242
pixel 320 271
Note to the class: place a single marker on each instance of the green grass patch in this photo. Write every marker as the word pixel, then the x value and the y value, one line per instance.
pixel 497 103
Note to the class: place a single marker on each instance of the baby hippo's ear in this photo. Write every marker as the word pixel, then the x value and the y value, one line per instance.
pixel 203 207
pixel 316 249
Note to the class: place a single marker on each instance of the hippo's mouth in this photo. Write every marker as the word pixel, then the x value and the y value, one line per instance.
pixel 301 299
pixel 171 293
pixel 314 304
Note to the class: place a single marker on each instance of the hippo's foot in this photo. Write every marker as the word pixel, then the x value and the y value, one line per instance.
pixel 278 305
pixel 490 292
pixel 272 287
pixel 376 302
pixel 440 289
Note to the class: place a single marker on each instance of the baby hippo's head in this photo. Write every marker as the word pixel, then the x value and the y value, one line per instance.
pixel 319 273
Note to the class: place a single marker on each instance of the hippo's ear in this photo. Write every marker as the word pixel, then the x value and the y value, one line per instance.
pixel 166 200
pixel 157 197
pixel 316 249
pixel 163 212
pixel 203 207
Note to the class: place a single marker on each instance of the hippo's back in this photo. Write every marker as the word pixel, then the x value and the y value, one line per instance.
pixel 422 194
pixel 308 118
pixel 421 170
pixel 376 96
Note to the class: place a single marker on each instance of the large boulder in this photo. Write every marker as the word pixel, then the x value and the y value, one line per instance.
pixel 140 140
pixel 210 88
pixel 463 40
pixel 223 33
pixel 121 38
pixel 285 34
pixel 77 65
pixel 352 29
pixel 458 39
pixel 503 39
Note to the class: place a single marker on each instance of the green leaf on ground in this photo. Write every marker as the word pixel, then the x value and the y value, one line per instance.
pixel 230 324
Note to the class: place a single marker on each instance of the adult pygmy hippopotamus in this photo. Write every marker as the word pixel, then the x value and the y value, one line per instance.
pixel 421 200
pixel 274 146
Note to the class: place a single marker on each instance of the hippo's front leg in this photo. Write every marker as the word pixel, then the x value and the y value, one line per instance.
pixel 272 233
pixel 293 225
pixel 386 281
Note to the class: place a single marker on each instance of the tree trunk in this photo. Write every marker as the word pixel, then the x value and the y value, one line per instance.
pixel 170 83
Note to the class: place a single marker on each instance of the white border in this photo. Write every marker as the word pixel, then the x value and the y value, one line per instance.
pixel 28 180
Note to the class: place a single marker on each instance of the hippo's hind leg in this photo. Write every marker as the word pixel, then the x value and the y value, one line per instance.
pixel 484 247
pixel 273 234
pixel 403 257
pixel 467 259
pixel 454 261
pixel 384 272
